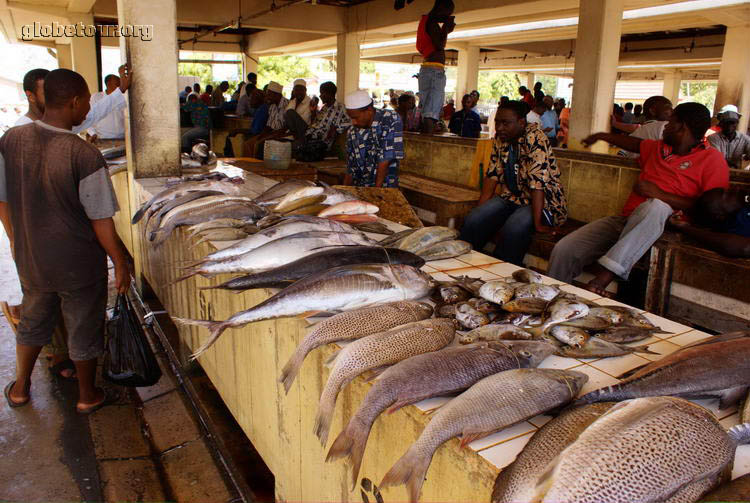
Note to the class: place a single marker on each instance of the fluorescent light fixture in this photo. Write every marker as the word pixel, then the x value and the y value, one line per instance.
pixel 660 10
pixel 655 66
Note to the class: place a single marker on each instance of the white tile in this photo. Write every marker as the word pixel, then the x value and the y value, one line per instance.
pixel 611 302
pixel 427 268
pixel 559 362
pixel 440 276
pixel 667 325
pixel 597 379
pixel 581 292
pixel 503 269
pixel 688 337
pixel 741 461
pixel 504 454
pixel 432 403
pixel 502 436
pixel 446 265
pixel 476 258
pixel 474 272
pixel 540 420
pixel 618 365
pixel 663 348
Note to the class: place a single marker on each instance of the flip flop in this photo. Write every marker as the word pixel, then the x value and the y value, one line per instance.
pixel 11 403
pixel 109 398
pixel 57 370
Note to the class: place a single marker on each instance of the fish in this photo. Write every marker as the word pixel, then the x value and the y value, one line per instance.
pixel 323 260
pixel 632 318
pixel 561 310
pixel 219 223
pixel 526 306
pixel 374 228
pixel 734 491
pixel 647 450
pixel 572 336
pixel 338 289
pixel 227 234
pixel 155 214
pixel 351 325
pixel 312 209
pixel 208 201
pixel 276 253
pixel 597 348
pixel 282 229
pixel 229 209
pixel 498 292
pixel 394 239
pixel 451 294
pixel 536 290
pixel 438 373
pixel 291 200
pixel 354 219
pixel 484 306
pixel 516 483
pixel 589 322
pixel 527 276
pixel 469 317
pixel 624 335
pixel 228 187
pixel 374 351
pixel 336 196
pixel 445 311
pixel 272 196
pixel 212 175
pixel 745 410
pixel 350 208
pixel 445 250
pixel 494 332
pixel 421 239
pixel 715 368
pixel 491 404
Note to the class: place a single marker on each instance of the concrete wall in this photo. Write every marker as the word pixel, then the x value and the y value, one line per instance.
pixel 449 159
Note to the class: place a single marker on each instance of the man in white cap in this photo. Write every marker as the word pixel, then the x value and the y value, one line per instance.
pixel 734 145
pixel 300 102
pixel 277 106
pixel 312 141
pixel 374 144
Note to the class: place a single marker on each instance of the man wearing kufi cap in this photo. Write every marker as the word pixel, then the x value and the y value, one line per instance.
pixel 374 144
pixel 734 145
pixel 277 106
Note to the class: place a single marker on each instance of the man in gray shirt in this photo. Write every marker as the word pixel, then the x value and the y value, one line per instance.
pixel 734 145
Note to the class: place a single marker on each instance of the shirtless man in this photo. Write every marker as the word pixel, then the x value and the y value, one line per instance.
pixel 432 35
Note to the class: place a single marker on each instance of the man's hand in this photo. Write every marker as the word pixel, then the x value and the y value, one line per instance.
pixel 678 222
pixel 122 277
pixel 92 138
pixel 450 25
pixel 590 140
pixel 125 74
pixel 647 189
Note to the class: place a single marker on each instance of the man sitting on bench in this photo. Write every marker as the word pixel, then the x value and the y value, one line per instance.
pixel 675 171
pixel 724 220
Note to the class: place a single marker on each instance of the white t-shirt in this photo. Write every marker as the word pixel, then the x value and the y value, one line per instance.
pixel 112 126
pixel 534 117
pixel 650 130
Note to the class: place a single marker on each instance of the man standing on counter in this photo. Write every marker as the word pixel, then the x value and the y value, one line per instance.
pixel 374 144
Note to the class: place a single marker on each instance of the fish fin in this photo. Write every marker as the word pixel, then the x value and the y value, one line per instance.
pixel 291 369
pixel 139 214
pixel 350 444
pixel 376 373
pixel 214 327
pixel 183 278
pixel 740 433
pixel 410 470
pixel 632 371
pixel 325 413
pixel 397 405
pixel 332 359
pixel 731 396
pixel 468 437
pixel 641 349
pixel 308 314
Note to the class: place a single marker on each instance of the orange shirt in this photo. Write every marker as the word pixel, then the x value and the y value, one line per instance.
pixel 703 168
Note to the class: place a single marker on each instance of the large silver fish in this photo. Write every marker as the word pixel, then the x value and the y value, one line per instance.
pixel 375 351
pixel 717 367
pixel 647 450
pixel 423 238
pixel 439 373
pixel 517 481
pixel 338 289
pixel 272 196
pixel 445 249
pixel 492 404
pixel 228 187
pixel 351 325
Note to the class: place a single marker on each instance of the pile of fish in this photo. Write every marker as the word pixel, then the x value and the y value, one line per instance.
pixel 430 243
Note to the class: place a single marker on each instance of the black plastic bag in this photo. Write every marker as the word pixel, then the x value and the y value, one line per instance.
pixel 129 360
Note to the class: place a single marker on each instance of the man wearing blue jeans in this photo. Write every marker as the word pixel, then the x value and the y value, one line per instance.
pixel 432 35
pixel 521 192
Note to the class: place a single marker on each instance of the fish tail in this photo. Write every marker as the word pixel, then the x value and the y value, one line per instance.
pixel 291 369
pixel 351 443
pixel 190 274
pixel 610 393
pixel 139 214
pixel 643 349
pixel 740 433
pixel 410 471
pixel 325 414
pixel 214 327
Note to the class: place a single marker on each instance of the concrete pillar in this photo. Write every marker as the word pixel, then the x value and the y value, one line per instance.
pixel 64 56
pixel 530 81
pixel 671 89
pixel 347 64
pixel 83 51
pixel 734 75
pixel 468 71
pixel 153 125
pixel 249 64
pixel 597 55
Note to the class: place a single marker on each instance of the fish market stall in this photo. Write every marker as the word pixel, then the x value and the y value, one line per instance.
pixel 245 365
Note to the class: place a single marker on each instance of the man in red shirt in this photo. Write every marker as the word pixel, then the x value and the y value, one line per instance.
pixel 675 171
pixel 526 96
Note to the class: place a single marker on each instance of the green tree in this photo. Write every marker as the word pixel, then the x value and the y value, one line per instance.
pixel 700 92
pixel 549 84
pixel 493 85
pixel 366 67
pixel 203 71
pixel 282 69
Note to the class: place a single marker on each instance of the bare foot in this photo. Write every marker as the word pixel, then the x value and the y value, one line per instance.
pixel 19 397
pixel 60 365
pixel 601 281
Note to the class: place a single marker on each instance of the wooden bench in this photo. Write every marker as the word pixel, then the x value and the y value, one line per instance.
pixel 449 203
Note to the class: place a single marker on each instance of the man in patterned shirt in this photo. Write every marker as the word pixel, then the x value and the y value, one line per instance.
pixel 277 106
pixel 331 120
pixel 374 145
pixel 522 192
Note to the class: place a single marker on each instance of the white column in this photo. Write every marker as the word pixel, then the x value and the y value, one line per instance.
pixel 64 56
pixel 530 81
pixel 467 75
pixel 734 75
pixel 153 125
pixel 671 89
pixel 249 64
pixel 83 50
pixel 347 64
pixel 597 55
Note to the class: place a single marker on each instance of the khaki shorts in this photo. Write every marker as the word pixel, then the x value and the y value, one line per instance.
pixel 84 313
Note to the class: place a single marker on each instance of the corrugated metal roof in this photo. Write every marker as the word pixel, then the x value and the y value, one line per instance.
pixel 637 91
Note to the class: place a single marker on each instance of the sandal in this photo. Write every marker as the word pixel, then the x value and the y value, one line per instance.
pixel 58 368
pixel 12 320
pixel 110 397
pixel 12 403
